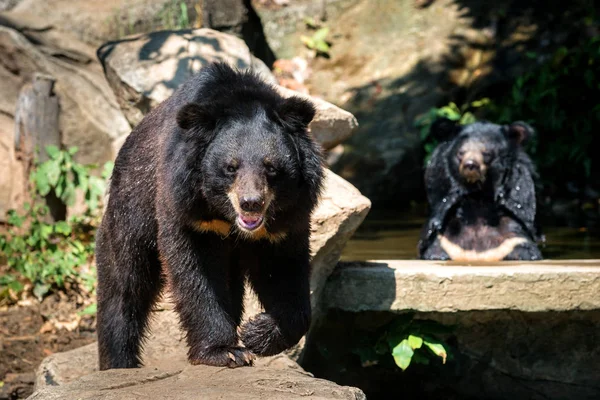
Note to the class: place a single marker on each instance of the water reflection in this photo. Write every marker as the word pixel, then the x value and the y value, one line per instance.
pixel 394 237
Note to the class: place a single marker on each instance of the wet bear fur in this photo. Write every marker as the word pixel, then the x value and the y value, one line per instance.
pixel 215 185
pixel 481 191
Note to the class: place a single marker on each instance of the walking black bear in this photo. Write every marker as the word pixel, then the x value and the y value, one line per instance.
pixel 216 184
pixel 481 191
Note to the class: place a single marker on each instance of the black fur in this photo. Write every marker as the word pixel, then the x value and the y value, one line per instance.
pixel 223 133
pixel 480 215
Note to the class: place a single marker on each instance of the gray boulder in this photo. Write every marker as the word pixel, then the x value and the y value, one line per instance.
pixel 144 70
pixel 177 380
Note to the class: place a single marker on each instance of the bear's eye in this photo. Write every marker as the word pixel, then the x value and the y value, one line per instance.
pixel 231 169
pixel 461 153
pixel 486 154
pixel 271 170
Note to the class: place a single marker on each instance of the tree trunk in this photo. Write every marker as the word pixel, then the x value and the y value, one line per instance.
pixel 36 126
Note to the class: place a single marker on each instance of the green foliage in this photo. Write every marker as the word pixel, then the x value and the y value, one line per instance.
pixel 407 340
pixel 464 115
pixel 560 99
pixel 175 15
pixel 318 41
pixel 47 255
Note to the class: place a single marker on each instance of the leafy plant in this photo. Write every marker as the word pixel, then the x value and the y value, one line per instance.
pixel 407 340
pixel 46 255
pixel 560 99
pixel 175 15
pixel 318 41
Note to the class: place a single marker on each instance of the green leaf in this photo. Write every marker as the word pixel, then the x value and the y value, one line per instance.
pixel 72 150
pixel 309 42
pixel 323 47
pixel 68 196
pixel 481 102
pixel 52 170
pixel 437 349
pixel 15 219
pixel 310 22
pixel 63 228
pixel 107 170
pixel 89 310
pixel 53 152
pixel 467 118
pixel 41 183
pixel 45 231
pixel 321 34
pixel 415 342
pixel 402 354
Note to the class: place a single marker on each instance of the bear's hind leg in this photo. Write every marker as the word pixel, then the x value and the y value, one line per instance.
pixel 129 282
pixel 281 281
pixel 525 252
pixel 435 252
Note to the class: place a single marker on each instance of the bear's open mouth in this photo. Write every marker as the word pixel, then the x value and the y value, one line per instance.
pixel 250 222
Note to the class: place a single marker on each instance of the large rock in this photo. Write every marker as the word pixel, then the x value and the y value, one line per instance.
pixel 341 210
pixel 432 286
pixel 89 114
pixel 96 21
pixel 13 179
pixel 181 381
pixel 144 70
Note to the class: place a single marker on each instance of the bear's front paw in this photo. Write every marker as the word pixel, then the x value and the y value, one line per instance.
pixel 263 336
pixel 223 356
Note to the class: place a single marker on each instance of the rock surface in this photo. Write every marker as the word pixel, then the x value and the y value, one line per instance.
pixel 451 287
pixel 181 381
pixel 13 178
pixel 96 21
pixel 144 70
pixel 340 212
pixel 90 117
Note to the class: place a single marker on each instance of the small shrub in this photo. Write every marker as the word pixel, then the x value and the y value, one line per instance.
pixel 407 340
pixel 43 255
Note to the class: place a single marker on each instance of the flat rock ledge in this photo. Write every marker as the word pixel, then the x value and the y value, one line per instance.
pixel 178 380
pixel 427 286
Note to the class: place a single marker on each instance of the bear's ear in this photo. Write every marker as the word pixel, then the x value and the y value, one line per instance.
pixel 443 129
pixel 519 132
pixel 196 115
pixel 296 113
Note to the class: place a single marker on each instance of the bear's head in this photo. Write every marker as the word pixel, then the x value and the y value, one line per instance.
pixel 259 167
pixel 479 150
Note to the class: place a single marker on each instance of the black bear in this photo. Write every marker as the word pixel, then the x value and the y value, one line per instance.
pixel 482 196
pixel 215 185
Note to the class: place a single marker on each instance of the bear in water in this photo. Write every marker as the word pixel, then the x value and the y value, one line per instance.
pixel 215 185
pixel 481 191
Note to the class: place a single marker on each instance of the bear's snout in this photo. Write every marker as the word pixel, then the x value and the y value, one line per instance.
pixel 471 165
pixel 252 204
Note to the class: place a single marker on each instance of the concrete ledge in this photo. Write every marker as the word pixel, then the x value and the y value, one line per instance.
pixel 449 287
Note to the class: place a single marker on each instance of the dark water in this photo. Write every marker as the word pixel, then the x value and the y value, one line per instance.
pixel 395 237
